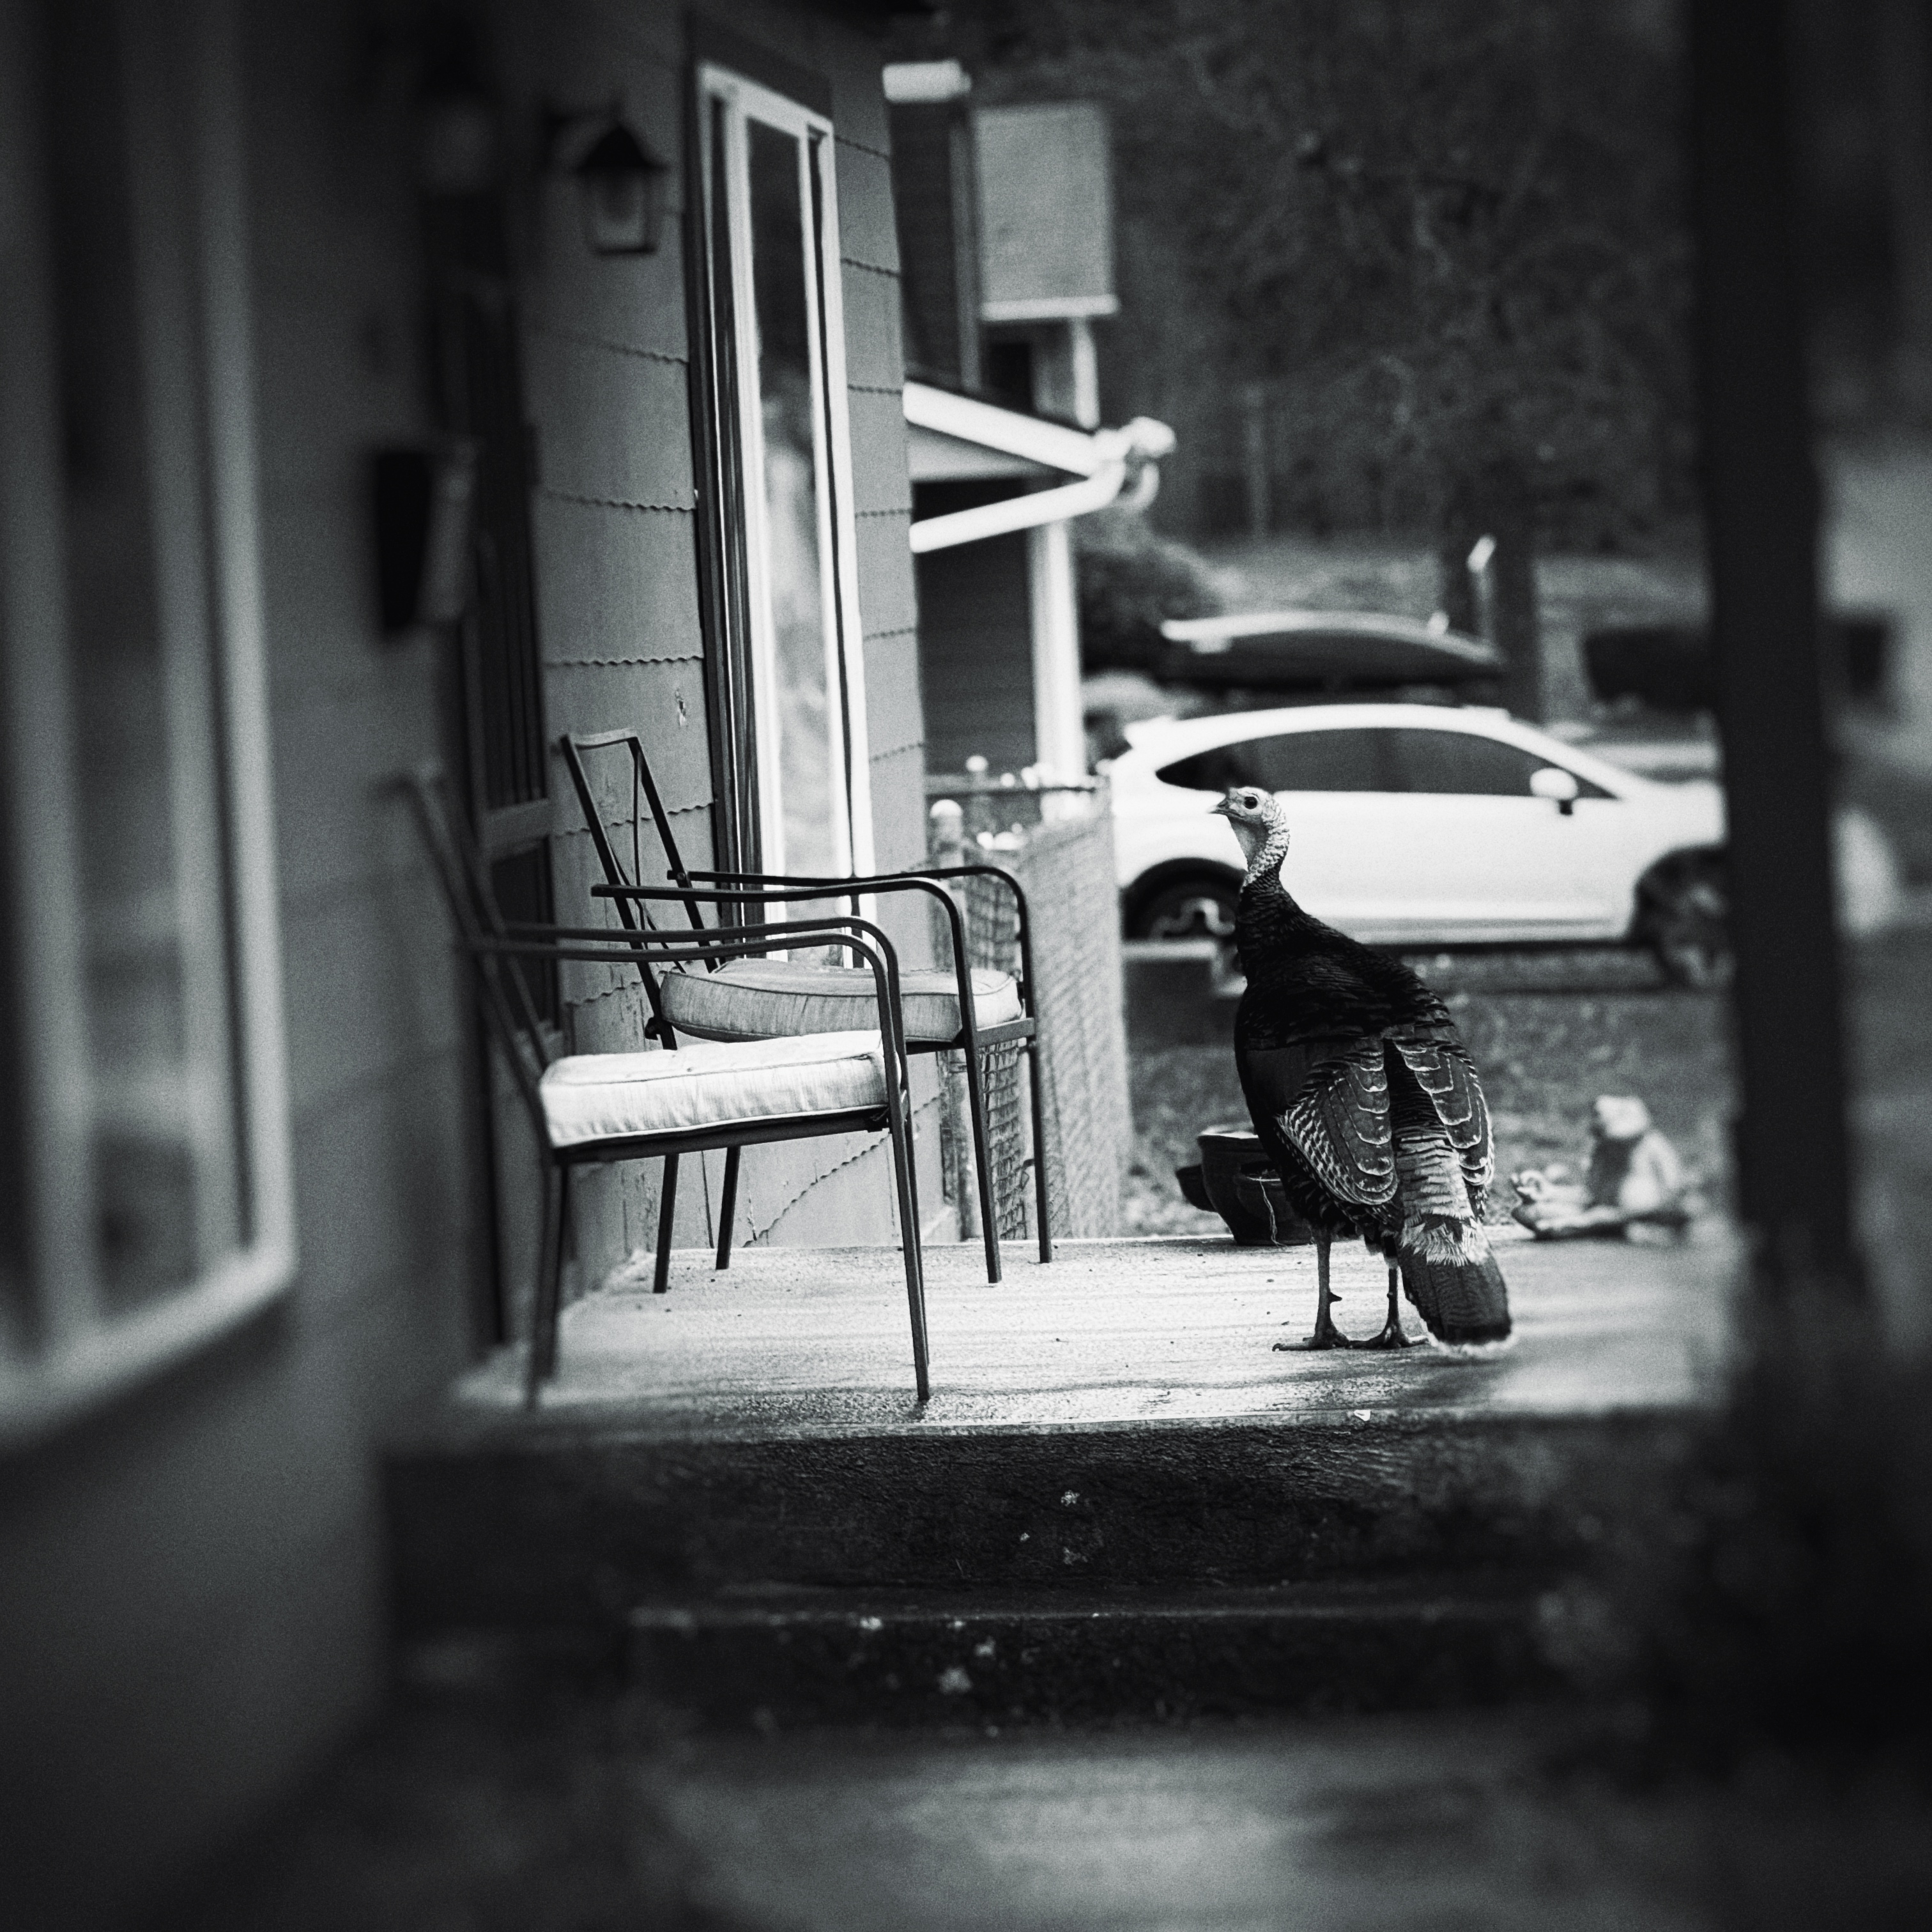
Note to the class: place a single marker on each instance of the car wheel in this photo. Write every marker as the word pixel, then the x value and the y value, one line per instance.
pixel 1686 922
pixel 1189 909
pixel 1195 909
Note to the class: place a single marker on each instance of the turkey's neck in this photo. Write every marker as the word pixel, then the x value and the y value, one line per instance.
pixel 1267 858
pixel 1270 929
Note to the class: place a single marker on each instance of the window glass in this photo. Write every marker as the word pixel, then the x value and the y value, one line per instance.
pixel 1219 770
pixel 155 916
pixel 788 672
pixel 143 1134
pixel 1317 760
pixel 796 569
pixel 1465 763
pixel 1336 761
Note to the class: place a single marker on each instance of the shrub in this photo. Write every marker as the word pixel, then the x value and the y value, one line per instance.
pixel 1132 579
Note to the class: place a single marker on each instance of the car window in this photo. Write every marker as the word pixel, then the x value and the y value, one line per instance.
pixel 1321 761
pixel 1218 770
pixel 1463 762
pixel 1338 760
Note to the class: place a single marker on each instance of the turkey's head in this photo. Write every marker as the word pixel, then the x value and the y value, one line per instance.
pixel 1259 824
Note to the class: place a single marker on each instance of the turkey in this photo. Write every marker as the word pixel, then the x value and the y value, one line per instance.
pixel 1365 1101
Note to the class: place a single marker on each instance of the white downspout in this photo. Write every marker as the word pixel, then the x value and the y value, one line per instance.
pixel 1141 443
pixel 1028 512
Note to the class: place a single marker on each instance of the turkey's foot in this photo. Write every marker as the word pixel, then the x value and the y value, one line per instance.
pixel 1326 1335
pixel 1391 1337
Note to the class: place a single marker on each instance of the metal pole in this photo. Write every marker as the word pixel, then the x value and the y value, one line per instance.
pixel 1761 511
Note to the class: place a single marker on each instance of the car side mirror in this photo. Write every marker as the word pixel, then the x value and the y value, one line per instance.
pixel 1554 783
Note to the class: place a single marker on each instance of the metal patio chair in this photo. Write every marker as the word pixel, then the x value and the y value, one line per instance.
pixel 771 998
pixel 660 1104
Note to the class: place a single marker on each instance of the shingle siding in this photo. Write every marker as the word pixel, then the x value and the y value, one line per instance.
pixel 193 1598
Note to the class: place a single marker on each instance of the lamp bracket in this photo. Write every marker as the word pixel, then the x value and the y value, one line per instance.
pixel 555 125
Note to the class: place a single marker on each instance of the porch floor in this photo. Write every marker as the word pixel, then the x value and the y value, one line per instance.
pixel 797 1342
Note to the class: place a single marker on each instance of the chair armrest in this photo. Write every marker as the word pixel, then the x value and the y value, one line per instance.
pixel 913 879
pixel 599 943
pixel 835 927
pixel 726 942
pixel 600 947
pixel 922 879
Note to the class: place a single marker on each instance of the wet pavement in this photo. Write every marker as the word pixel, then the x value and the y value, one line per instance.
pixel 564 1821
pixel 1400 1824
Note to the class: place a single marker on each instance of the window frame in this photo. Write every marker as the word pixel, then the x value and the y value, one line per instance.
pixel 186 145
pixel 736 413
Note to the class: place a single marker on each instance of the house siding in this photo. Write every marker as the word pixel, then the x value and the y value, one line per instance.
pixel 606 363
pixel 976 647
pixel 193 1595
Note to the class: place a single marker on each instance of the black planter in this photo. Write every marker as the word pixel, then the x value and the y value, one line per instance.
pixel 1236 1181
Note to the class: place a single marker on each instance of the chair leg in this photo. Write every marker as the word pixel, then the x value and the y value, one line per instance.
pixel 666 1214
pixel 982 1163
pixel 901 1134
pixel 728 1206
pixel 1038 1148
pixel 549 1281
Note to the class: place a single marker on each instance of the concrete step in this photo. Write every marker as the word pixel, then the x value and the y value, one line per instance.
pixel 929 1658
pixel 545 1529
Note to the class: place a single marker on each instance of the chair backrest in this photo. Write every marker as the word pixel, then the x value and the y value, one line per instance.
pixel 644 793
pixel 509 1010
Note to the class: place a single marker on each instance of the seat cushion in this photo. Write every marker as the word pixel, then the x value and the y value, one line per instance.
pixel 595 1096
pixel 763 999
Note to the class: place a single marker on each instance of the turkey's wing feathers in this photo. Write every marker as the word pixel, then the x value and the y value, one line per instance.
pixel 1339 1124
pixel 1445 1073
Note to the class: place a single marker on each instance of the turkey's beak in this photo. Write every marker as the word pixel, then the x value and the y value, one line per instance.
pixel 1219 810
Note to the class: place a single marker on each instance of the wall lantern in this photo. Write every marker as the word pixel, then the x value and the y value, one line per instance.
pixel 620 184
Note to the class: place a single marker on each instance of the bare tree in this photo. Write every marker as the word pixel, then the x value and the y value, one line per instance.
pixel 1453 232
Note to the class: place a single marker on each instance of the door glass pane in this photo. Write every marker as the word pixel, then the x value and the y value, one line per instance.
pixel 735 721
pixel 794 566
pixel 153 888
pixel 1458 762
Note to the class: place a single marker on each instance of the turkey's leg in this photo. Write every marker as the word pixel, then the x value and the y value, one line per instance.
pixel 1391 1336
pixel 1327 1335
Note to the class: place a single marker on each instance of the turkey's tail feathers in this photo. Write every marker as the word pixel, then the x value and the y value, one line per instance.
pixel 1451 1275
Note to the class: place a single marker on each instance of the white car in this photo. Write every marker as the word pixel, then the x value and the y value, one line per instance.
pixel 1418 825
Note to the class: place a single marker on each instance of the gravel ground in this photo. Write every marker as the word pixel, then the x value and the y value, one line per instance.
pixel 1549 1032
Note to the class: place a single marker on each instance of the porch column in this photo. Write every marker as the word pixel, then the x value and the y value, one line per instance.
pixel 1059 736
pixel 1761 506
pixel 1084 363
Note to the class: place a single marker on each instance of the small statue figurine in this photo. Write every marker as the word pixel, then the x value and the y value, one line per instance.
pixel 1636 1187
